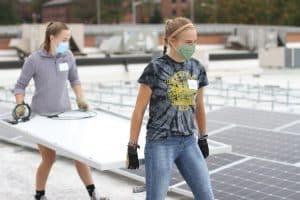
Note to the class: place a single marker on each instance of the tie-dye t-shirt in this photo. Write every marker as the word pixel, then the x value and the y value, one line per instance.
pixel 174 88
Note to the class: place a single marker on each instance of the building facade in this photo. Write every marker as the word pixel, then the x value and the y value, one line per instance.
pixel 58 10
pixel 175 8
pixel 62 10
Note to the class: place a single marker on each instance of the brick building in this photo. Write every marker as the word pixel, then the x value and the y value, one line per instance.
pixel 24 9
pixel 61 10
pixel 58 10
pixel 167 8
pixel 175 8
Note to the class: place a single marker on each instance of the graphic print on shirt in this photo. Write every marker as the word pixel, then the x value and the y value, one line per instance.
pixel 179 92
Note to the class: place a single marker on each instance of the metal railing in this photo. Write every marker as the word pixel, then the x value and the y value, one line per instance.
pixel 121 96
pixel 104 29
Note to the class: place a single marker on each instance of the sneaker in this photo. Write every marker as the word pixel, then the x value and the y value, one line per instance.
pixel 42 198
pixel 96 197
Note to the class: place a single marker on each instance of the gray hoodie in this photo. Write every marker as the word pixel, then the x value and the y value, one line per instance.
pixel 50 75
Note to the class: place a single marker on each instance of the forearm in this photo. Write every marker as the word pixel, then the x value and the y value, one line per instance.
pixel 19 98
pixel 136 124
pixel 201 119
pixel 139 111
pixel 78 90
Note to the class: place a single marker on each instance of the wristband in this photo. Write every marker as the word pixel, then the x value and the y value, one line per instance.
pixel 203 137
pixel 132 143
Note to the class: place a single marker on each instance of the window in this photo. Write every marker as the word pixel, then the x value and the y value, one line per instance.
pixel 174 13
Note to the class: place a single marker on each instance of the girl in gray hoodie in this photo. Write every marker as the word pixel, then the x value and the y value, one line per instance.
pixel 51 67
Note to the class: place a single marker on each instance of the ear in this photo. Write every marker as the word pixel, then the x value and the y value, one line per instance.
pixel 171 41
pixel 51 37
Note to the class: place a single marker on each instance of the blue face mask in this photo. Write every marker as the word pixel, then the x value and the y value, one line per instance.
pixel 62 47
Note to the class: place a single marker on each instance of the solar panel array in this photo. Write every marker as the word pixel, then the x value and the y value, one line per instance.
pixel 256 180
pixel 251 117
pixel 261 143
pixel 264 163
pixel 214 162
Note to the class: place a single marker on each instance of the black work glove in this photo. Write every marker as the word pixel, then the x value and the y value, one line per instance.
pixel 132 157
pixel 203 145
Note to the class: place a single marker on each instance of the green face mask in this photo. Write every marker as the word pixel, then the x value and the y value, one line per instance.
pixel 186 51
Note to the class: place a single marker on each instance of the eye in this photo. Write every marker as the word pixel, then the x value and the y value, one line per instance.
pixel 189 42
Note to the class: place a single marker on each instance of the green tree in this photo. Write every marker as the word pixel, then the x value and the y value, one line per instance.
pixel 291 14
pixel 151 12
pixel 205 11
pixel 156 17
pixel 37 5
pixel 245 11
pixel 86 12
pixel 273 12
pixel 111 11
pixel 8 13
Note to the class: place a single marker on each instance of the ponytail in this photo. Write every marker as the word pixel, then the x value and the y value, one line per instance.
pixel 165 46
pixel 53 28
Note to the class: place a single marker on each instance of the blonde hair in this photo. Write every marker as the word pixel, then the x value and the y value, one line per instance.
pixel 173 27
pixel 53 28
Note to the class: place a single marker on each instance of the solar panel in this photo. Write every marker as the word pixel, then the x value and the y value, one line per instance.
pixel 261 143
pixel 99 141
pixel 254 180
pixel 212 125
pixel 213 162
pixel 176 176
pixel 4 112
pixel 251 117
pixel 295 128
pixel 7 134
pixel 219 160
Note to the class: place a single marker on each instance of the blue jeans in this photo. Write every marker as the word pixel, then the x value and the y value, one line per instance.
pixel 184 151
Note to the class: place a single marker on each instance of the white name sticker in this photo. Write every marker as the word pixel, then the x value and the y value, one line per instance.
pixel 63 67
pixel 193 84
